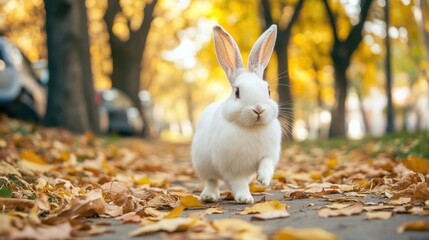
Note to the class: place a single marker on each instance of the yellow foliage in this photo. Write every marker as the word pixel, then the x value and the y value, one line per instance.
pixel 417 164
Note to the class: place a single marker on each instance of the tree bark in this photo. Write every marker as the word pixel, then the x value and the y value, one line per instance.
pixel 341 54
pixel 127 56
pixel 281 49
pixel 71 101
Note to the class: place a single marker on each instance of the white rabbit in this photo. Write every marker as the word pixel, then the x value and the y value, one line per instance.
pixel 241 135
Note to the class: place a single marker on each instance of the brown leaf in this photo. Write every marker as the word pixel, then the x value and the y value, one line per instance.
pixel 263 207
pixel 166 225
pixel 303 234
pixel 270 215
pixel 116 191
pixel 378 215
pixel 9 204
pixel 353 209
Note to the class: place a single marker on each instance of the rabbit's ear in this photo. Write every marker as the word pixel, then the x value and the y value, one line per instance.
pixel 227 53
pixel 261 52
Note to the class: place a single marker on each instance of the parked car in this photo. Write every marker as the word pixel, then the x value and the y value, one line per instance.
pixel 124 117
pixel 21 94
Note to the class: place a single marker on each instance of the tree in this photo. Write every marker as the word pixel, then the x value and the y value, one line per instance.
pixel 283 36
pixel 341 54
pixel 390 124
pixel 127 51
pixel 71 101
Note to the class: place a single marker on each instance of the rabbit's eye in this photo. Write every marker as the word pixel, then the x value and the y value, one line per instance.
pixel 269 92
pixel 237 93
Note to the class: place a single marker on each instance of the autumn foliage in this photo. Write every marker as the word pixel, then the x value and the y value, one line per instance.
pixel 55 183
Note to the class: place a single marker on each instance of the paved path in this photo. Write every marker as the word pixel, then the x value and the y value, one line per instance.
pixel 302 216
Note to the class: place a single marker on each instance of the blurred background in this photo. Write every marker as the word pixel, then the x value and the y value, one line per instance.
pixel 341 68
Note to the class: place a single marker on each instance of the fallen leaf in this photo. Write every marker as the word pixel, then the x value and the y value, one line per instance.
pixel 257 188
pixel 264 207
pixel 7 169
pixel 303 234
pixel 353 209
pixel 417 164
pixel 233 228
pixel 270 215
pixel 176 211
pixel 214 210
pixel 116 191
pixel 400 201
pixel 31 156
pixel 414 226
pixel 8 204
pixel 378 215
pixel 191 202
pixel 166 225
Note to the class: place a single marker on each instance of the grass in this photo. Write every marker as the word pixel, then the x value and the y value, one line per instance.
pixel 397 145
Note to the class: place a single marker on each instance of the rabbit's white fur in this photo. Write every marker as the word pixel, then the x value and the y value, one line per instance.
pixel 238 137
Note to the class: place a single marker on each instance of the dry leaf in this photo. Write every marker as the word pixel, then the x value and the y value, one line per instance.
pixel 233 228
pixel 353 209
pixel 214 210
pixel 400 201
pixel 268 206
pixel 166 225
pixel 303 234
pixel 270 215
pixel 378 215
pixel 116 191
pixel 414 226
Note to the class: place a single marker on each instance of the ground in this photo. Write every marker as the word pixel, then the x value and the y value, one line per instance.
pixel 55 184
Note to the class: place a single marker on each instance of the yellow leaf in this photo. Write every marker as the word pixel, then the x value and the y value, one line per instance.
pixel 175 212
pixel 166 225
pixel 417 164
pixel 31 156
pixel 191 202
pixel 332 163
pixel 414 226
pixel 233 228
pixel 315 176
pixel 304 234
pixel 264 207
pixel 257 188
pixel 141 181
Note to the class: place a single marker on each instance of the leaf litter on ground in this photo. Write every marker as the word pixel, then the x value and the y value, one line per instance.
pixel 52 181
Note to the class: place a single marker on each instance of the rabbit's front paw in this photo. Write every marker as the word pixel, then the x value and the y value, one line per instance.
pixel 245 198
pixel 264 178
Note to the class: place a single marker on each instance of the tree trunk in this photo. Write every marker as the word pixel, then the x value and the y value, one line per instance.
pixel 71 102
pixel 338 122
pixel 127 56
pixel 341 53
pixel 390 125
pixel 281 48
pixel 283 89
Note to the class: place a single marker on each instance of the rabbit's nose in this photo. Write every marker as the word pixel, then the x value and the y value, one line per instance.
pixel 258 109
